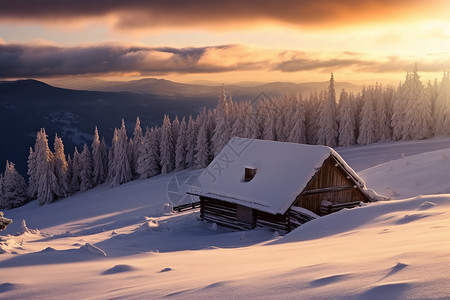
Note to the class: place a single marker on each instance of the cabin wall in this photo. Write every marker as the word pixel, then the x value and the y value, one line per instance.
pixel 228 214
pixel 223 213
pixel 329 175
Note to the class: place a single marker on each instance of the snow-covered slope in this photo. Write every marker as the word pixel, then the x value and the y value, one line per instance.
pixel 123 243
pixel 406 177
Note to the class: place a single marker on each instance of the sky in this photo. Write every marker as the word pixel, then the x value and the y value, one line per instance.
pixel 226 41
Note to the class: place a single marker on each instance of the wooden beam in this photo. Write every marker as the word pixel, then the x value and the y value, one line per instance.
pixel 328 189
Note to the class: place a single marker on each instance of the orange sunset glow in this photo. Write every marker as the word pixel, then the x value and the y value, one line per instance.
pixel 228 41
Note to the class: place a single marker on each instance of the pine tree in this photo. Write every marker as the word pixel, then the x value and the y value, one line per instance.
pixel 47 185
pixel 111 160
pixel 202 147
pixel 268 113
pixel 367 128
pixel 191 141
pixel 32 179
pixel 14 187
pixel 175 131
pixel 418 112
pixel 180 149
pixel 86 169
pixel 442 110
pixel 122 171
pixel 98 160
pixel 238 127
pixel 148 162
pixel 3 204
pixel 297 133
pixel 328 127
pixel 221 134
pixel 167 153
pixel 61 168
pixel 136 143
pixel 69 172
pixel 384 114
pixel 76 172
pixel 347 127
pixel 398 113
pixel 313 107
pixel 431 93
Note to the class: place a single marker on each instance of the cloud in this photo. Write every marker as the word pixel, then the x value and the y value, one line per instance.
pixel 208 14
pixel 25 60
pixel 40 60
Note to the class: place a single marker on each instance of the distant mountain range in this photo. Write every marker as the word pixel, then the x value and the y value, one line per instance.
pixel 163 87
pixel 28 105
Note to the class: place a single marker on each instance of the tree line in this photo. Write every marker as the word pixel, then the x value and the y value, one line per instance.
pixel 377 113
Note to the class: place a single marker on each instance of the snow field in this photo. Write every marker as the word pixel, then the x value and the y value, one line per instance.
pixel 394 249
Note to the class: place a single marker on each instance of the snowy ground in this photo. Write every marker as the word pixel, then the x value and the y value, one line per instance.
pixel 122 242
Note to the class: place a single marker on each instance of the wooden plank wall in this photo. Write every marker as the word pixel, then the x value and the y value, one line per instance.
pixel 221 212
pixel 329 176
pixel 225 214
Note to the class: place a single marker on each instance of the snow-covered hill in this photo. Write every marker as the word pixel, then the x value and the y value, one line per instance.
pixel 124 242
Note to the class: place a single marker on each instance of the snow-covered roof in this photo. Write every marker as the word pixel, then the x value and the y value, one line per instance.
pixel 283 171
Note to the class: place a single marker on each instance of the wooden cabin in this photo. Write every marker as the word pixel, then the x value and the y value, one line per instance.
pixel 253 183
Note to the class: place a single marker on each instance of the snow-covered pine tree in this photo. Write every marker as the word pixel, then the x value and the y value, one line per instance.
pixel 269 114
pixel 61 168
pixel 175 132
pixel 122 171
pixel 239 125
pixel 418 119
pixel 202 154
pixel 367 128
pixel 98 160
pixel 111 161
pixel 347 126
pixel 191 141
pixel 328 127
pixel 148 162
pixel 47 184
pixel 313 107
pixel 69 172
pixel 398 112
pixel 250 120
pixel 431 93
pixel 442 111
pixel 14 187
pixel 180 149
pixel 167 153
pixel 221 134
pixel 104 155
pixel 2 192
pixel 136 144
pixel 384 113
pixel 86 169
pixel 297 133
pixel 210 126
pixel 32 179
pixel 76 172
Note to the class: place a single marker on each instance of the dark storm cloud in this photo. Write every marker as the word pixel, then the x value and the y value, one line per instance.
pixel 24 60
pixel 27 60
pixel 145 14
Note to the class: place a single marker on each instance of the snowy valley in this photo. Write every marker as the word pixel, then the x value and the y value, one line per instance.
pixel 125 243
